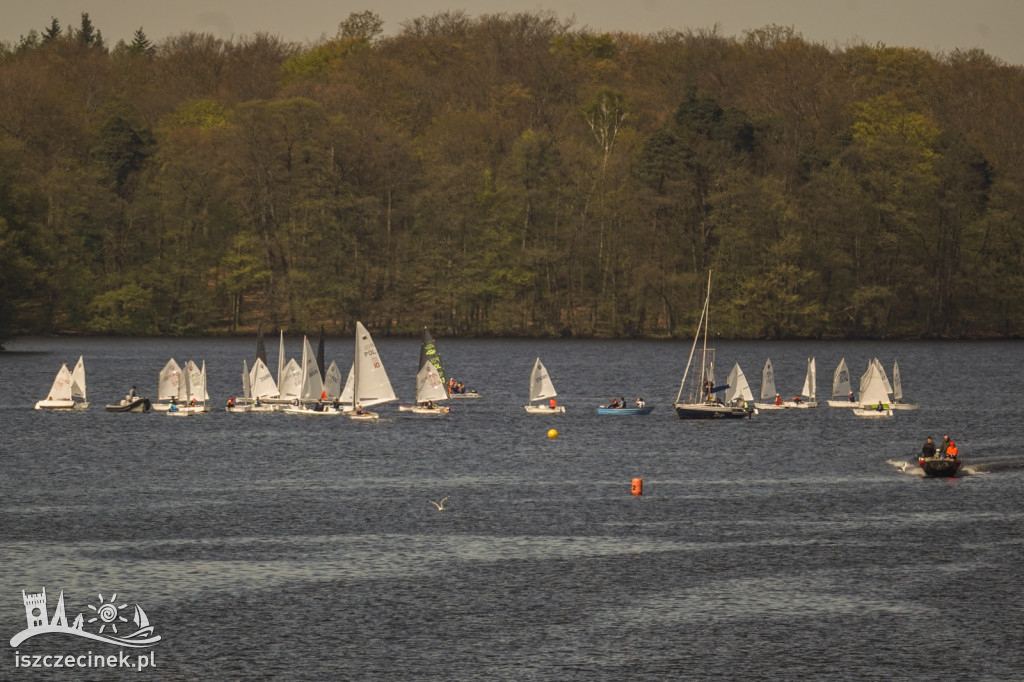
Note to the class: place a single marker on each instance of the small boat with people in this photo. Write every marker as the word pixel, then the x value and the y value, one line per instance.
pixel 130 403
pixel 619 406
pixel 944 462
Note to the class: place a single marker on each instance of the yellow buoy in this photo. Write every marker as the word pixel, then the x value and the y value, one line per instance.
pixel 552 433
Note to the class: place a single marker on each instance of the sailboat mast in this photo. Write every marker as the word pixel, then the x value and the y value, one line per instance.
pixel 689 361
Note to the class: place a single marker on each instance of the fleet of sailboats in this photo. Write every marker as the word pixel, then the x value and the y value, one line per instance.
pixel 311 389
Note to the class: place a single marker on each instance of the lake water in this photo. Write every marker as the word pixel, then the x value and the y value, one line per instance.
pixel 271 546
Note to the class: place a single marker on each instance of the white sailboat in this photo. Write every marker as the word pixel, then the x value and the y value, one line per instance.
pixel 263 388
pixel 246 402
pixel 808 393
pixel 842 393
pixel 67 386
pixel 702 403
pixel 541 388
pixel 311 389
pixel 429 390
pixel 738 392
pixel 169 386
pixel 332 382
pixel 429 351
pixel 770 398
pixel 897 391
pixel 370 383
pixel 874 394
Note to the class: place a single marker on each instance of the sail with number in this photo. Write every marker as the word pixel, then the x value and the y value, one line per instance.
pixel 370 383
pixel 169 382
pixel 262 381
pixel 540 383
pixel 429 385
pixel 841 380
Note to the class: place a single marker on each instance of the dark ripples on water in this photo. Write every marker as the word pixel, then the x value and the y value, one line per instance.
pixel 275 547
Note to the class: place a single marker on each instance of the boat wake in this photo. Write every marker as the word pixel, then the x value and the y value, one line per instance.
pixel 991 467
pixel 906 467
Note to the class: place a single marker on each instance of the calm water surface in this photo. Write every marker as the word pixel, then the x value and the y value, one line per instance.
pixel 269 546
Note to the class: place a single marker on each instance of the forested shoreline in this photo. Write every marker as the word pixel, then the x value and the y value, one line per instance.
pixel 508 175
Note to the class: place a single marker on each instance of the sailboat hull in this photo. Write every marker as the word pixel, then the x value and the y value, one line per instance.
pixel 60 405
pixel 544 409
pixel 844 402
pixel 711 411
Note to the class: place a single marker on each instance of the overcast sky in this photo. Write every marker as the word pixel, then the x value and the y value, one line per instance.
pixel 934 25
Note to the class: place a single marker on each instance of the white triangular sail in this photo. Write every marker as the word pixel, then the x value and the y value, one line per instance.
pixel 540 383
pixel 810 381
pixel 881 372
pixel 841 380
pixel 370 383
pixel 78 380
pixel 291 381
pixel 262 381
pixel 196 385
pixel 312 383
pixel 739 387
pixel 768 381
pixel 873 387
pixel 897 384
pixel 61 388
pixel 169 382
pixel 332 381
pixel 429 385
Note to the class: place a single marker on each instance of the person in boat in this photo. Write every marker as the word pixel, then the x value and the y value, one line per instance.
pixel 131 394
pixel 640 402
pixel 879 407
pixel 851 397
pixel 173 407
pixel 192 403
pixel 952 452
pixel 231 401
pixel 553 404
pixel 614 402
pixel 359 409
pixel 622 401
pixel 797 399
pixel 256 402
pixel 778 399
pixel 944 446
pixel 707 389
pixel 928 449
pixel 429 405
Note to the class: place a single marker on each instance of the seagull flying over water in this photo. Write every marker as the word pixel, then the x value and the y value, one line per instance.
pixel 439 505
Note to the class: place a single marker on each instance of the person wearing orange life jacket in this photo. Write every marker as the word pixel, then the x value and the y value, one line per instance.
pixel 952 452
pixel 552 404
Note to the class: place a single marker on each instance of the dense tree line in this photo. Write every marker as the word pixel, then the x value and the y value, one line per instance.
pixel 509 174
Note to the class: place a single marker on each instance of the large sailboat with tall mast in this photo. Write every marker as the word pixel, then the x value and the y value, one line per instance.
pixel 699 399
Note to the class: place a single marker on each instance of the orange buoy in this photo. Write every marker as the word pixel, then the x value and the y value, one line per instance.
pixel 638 486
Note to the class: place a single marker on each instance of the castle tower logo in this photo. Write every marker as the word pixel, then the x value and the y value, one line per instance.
pixel 109 620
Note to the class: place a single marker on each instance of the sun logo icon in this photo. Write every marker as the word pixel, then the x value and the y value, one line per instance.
pixel 107 613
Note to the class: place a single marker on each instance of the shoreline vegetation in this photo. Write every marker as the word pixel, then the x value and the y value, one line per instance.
pixel 508 175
